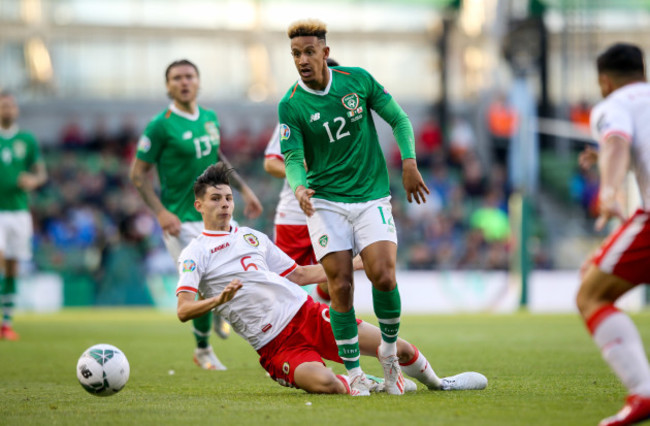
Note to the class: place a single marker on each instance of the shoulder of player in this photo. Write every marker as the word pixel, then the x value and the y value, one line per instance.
pixel 209 114
pixel 25 135
pixel 289 95
pixel 351 72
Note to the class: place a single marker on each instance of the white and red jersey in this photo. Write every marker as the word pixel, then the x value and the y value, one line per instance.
pixel 626 113
pixel 288 211
pixel 267 301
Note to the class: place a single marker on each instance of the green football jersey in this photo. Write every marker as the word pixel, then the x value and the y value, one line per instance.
pixel 19 151
pixel 336 131
pixel 182 147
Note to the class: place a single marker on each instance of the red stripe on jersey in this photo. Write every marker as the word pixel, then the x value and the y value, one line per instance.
pixel 290 270
pixel 599 316
pixel 294 90
pixel 168 114
pixel 617 133
pixel 342 72
pixel 276 156
pixel 185 288
pixel 613 238
pixel 214 235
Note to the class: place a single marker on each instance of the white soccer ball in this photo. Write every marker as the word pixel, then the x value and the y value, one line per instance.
pixel 103 370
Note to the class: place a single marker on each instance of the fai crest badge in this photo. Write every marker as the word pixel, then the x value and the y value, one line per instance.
pixel 252 240
pixel 213 130
pixel 323 240
pixel 351 101
pixel 189 266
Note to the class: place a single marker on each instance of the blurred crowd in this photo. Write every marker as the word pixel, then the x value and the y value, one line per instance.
pixel 90 220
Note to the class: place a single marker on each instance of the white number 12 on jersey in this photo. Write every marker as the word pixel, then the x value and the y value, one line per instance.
pixel 339 132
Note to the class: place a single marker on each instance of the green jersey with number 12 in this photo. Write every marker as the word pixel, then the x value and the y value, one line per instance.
pixel 181 146
pixel 336 131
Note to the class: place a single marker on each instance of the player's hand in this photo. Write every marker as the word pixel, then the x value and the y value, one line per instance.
pixel 357 263
pixel 229 292
pixel 169 222
pixel 608 208
pixel 253 208
pixel 303 195
pixel 412 181
pixel 27 181
pixel 587 158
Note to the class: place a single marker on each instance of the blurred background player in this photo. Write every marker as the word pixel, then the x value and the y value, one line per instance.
pixel 621 125
pixel 21 171
pixel 181 142
pixel 291 232
pixel 288 329
pixel 325 121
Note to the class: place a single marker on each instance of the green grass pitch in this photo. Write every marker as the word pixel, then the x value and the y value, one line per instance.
pixel 542 370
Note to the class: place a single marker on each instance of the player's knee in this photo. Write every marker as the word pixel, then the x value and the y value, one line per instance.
pixel 325 384
pixel 383 279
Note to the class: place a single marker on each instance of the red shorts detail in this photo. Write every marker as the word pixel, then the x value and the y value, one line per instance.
pixel 294 240
pixel 626 252
pixel 307 338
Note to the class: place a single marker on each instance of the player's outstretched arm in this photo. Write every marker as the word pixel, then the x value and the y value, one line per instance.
pixel 253 208
pixel 141 178
pixel 189 308
pixel 312 274
pixel 275 167
pixel 614 162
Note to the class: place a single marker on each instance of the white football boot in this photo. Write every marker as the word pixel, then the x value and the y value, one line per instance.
pixel 464 381
pixel 393 377
pixel 207 360
pixel 360 385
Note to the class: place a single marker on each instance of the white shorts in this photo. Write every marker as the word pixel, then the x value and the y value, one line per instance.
pixel 339 226
pixel 189 231
pixel 16 232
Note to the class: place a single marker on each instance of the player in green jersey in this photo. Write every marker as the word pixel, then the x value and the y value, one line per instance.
pixel 325 121
pixel 181 142
pixel 21 170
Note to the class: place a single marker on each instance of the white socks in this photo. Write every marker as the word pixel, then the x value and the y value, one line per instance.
pixel 420 369
pixel 622 348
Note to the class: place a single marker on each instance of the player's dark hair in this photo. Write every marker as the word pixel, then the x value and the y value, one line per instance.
pixel 622 60
pixel 216 174
pixel 178 64
pixel 306 28
pixel 331 62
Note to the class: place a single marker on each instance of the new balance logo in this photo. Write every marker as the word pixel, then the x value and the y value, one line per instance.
pixel 315 117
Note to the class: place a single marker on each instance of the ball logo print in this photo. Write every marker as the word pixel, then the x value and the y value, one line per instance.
pixel 103 370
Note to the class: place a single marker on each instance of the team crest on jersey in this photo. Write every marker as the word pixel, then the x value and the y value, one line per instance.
pixel 285 132
pixel 323 240
pixel 144 144
pixel 351 101
pixel 213 130
pixel 189 265
pixel 252 240
pixel 20 149
pixel 286 368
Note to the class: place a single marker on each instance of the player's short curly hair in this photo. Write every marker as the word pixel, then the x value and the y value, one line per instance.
pixel 216 174
pixel 178 63
pixel 308 27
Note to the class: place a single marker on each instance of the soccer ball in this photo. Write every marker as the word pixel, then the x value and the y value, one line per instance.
pixel 103 370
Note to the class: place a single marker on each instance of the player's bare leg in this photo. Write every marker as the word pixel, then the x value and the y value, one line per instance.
pixel 379 261
pixel 314 377
pixel 618 340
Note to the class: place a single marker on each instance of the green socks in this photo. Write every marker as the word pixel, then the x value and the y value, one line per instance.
pixel 346 333
pixel 388 307
pixel 202 330
pixel 7 299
